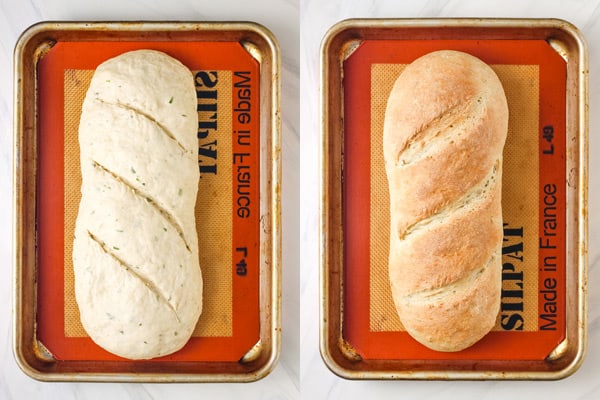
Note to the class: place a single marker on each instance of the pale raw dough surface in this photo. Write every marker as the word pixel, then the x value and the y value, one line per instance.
pixel 138 284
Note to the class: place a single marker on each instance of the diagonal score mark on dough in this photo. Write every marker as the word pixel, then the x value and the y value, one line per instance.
pixel 438 129
pixel 149 200
pixel 434 295
pixel 476 193
pixel 150 118
pixel 147 282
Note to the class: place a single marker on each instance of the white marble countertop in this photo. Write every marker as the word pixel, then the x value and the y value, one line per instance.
pixel 281 17
pixel 316 380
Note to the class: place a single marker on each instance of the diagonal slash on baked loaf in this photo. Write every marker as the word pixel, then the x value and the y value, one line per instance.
pixel 437 294
pixel 439 129
pixel 475 194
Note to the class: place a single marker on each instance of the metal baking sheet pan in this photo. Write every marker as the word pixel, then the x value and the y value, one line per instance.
pixel 236 70
pixel 540 331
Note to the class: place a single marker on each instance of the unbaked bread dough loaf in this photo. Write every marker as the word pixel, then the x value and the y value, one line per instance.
pixel 138 282
pixel 445 126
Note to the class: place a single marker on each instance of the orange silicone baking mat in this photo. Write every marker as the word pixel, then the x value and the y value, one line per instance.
pixel 227 208
pixel 531 322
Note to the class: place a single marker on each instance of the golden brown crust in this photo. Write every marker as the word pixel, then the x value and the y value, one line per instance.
pixel 444 131
pixel 455 319
pixel 452 245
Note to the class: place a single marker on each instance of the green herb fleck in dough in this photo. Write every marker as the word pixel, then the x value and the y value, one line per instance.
pixel 175 333
pixel 171 100
pixel 180 191
pixel 164 229
pixel 132 170
pixel 116 248
pixel 120 330
pixel 140 324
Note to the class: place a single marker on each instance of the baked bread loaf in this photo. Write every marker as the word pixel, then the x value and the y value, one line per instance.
pixel 138 283
pixel 444 131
